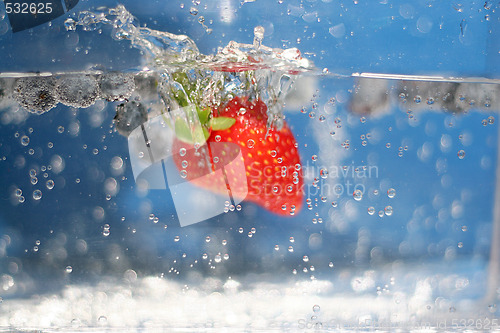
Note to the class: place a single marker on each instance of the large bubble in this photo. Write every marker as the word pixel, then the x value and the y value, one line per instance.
pixel 80 91
pixel 116 86
pixel 36 94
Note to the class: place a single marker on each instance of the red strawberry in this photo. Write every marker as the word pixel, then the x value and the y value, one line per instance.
pixel 270 157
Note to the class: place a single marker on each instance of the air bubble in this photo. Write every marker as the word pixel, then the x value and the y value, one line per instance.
pixel 37 194
pixel 388 210
pixel 461 154
pixel 250 143
pixel 357 195
pixel 25 140
pixel 391 193
pixel 371 210
pixel 50 184
pixel 316 308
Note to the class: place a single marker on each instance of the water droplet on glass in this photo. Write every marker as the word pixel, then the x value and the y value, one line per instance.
pixel 207 239
pixel 314 158
pixel 290 248
pixel 464 228
pixel 250 143
pixel 460 245
pixel 388 210
pixel 276 247
pixel 371 210
pixel 305 258
pixel 183 173
pixel 292 240
pixel 391 193
pixel 218 258
pixel 316 308
pixel 461 154
pixel 334 204
pixel 417 99
pixel 182 151
pixel 193 11
pixel 69 269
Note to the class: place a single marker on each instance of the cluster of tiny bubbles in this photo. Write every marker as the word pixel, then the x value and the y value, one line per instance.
pixel 357 195
pixel 105 230
pixel 461 154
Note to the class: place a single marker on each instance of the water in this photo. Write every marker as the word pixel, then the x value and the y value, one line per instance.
pixel 395 231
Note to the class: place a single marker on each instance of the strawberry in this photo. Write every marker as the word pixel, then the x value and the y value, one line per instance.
pixel 271 159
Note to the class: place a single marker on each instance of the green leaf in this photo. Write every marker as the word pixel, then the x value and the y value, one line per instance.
pixel 203 115
pixel 182 131
pixel 197 134
pixel 221 123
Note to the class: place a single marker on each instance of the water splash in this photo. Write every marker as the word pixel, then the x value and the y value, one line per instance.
pixel 254 69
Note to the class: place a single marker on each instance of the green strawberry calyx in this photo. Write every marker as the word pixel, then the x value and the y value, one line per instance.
pixel 195 123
